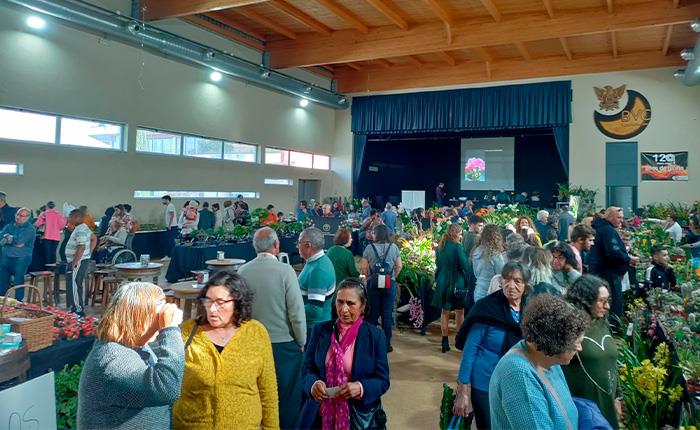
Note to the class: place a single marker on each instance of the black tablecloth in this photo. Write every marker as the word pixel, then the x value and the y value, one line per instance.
pixel 188 258
pixel 56 357
pixel 152 243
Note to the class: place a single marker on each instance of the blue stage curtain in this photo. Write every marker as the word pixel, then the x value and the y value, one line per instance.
pixel 545 104
pixel 359 144
pixel 561 137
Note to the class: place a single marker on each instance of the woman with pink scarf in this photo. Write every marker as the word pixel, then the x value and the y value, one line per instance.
pixel 345 370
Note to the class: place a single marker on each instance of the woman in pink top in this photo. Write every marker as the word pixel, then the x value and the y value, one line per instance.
pixel 53 223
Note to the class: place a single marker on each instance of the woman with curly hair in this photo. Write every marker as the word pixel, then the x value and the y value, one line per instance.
pixel 593 373
pixel 527 388
pixel 451 280
pixel 488 259
pixel 563 264
pixel 230 379
pixel 526 228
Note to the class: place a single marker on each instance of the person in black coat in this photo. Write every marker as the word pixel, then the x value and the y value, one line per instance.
pixel 608 257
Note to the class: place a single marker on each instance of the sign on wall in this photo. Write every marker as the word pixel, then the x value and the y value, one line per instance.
pixel 664 166
pixel 622 123
pixel 29 406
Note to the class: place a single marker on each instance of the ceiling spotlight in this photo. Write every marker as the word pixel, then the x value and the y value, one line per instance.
pixel 307 90
pixel 688 54
pixel 304 102
pixel 695 25
pixel 679 74
pixel 216 76
pixel 264 73
pixel 35 22
pixel 342 100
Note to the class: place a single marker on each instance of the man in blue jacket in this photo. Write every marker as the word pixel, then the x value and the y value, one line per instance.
pixel 17 241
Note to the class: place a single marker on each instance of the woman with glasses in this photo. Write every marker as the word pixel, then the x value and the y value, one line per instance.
pixel 490 330
pixel 229 380
pixel 563 265
pixel 593 373
pixel 133 373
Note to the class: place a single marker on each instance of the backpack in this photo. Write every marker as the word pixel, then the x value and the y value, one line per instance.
pixel 190 214
pixel 380 269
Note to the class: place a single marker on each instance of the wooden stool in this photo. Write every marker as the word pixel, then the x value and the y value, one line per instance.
pixel 109 286
pixel 57 283
pixel 47 278
pixel 96 284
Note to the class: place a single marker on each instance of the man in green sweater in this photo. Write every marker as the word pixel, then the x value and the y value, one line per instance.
pixel 317 280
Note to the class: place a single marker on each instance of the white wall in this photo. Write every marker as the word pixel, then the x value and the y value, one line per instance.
pixel 71 72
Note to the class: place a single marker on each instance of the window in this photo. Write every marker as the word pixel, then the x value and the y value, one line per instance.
pixel 273 181
pixel 152 194
pixel 240 152
pixel 29 126
pixel 160 142
pixel 322 162
pixel 301 159
pixel 11 169
pixel 92 134
pixel 201 147
pixel 276 156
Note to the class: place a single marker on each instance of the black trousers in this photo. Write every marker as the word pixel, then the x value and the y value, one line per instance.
pixel 617 302
pixel 288 359
pixel 482 411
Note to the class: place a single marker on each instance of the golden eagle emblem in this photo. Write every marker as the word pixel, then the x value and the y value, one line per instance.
pixel 609 97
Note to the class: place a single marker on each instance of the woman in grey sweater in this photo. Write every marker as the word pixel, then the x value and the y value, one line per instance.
pixel 134 372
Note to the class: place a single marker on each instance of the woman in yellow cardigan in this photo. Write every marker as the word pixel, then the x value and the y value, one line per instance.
pixel 229 380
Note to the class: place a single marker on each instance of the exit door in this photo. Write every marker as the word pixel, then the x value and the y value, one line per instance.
pixel 621 173
pixel 309 189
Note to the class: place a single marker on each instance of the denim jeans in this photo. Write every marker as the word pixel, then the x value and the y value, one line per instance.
pixel 17 268
pixel 381 303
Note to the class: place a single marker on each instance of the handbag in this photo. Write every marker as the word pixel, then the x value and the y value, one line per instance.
pixel 373 419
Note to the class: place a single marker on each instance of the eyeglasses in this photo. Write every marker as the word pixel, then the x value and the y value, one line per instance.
pixel 218 304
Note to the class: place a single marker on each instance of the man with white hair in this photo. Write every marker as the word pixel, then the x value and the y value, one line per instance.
pixel 541 224
pixel 317 280
pixel 279 306
pixel 389 217
pixel 17 240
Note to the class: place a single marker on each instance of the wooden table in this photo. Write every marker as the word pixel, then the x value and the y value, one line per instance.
pixel 225 264
pixel 14 365
pixel 186 292
pixel 137 271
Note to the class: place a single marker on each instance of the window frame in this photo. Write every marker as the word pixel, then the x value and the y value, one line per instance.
pixel 19 168
pixel 157 194
pixel 289 158
pixel 278 182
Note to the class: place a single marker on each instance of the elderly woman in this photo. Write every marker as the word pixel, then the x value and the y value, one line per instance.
pixel 108 243
pixel 488 259
pixel 527 388
pixel 563 265
pixel 345 370
pixel 134 371
pixel 341 257
pixel 491 329
pixel 451 280
pixel 593 373
pixel 230 379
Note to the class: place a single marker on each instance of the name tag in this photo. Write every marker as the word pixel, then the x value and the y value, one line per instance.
pixel 381 281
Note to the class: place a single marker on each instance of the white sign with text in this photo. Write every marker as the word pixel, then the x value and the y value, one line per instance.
pixel 29 406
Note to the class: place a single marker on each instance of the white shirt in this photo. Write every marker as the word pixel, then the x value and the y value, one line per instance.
pixel 170 209
pixel 675 231
pixel 80 236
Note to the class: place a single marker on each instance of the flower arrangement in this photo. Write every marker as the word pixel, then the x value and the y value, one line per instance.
pixel 474 170
pixel 415 310
pixel 418 256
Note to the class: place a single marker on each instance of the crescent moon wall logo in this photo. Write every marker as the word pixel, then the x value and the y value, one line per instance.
pixel 626 123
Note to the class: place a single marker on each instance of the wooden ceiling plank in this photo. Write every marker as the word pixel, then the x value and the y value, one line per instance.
pixel 610 6
pixel 230 21
pixel 488 69
pixel 388 41
pixel 267 22
pixel 565 47
pixel 415 60
pixel 483 54
pixel 161 9
pixel 437 74
pixel 384 62
pixel 613 42
pixel 345 15
pixel 549 7
pixel 667 40
pixel 522 49
pixel 353 66
pixel 223 32
pixel 301 16
pixel 676 3
pixel 390 12
pixel 493 10
pixel 447 58
pixel 440 11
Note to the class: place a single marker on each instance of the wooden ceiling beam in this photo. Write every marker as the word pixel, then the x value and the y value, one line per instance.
pixel 345 15
pixel 390 12
pixel 267 22
pixel 565 47
pixel 488 70
pixel 522 49
pixel 384 62
pixel 161 9
pixel 667 40
pixel 611 6
pixel 414 60
pixel 483 54
pixel 493 10
pixel 301 16
pixel 444 16
pixel 229 20
pixel 549 7
pixel 200 22
pixel 437 74
pixel 388 41
pixel 353 66
pixel 447 58
pixel 613 43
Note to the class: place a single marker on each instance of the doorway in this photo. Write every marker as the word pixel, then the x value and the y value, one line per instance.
pixel 309 189
pixel 621 172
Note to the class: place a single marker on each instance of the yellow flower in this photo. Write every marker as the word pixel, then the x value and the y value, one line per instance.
pixel 662 355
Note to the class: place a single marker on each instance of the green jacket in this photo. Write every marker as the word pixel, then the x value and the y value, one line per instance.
pixel 451 265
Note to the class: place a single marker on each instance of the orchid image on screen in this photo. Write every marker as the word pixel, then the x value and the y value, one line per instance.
pixel 475 170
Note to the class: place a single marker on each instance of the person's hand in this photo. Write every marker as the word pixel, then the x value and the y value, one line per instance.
pixel 511 228
pixel 634 260
pixel 318 391
pixel 351 390
pixel 463 405
pixel 618 409
pixel 74 264
pixel 169 316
